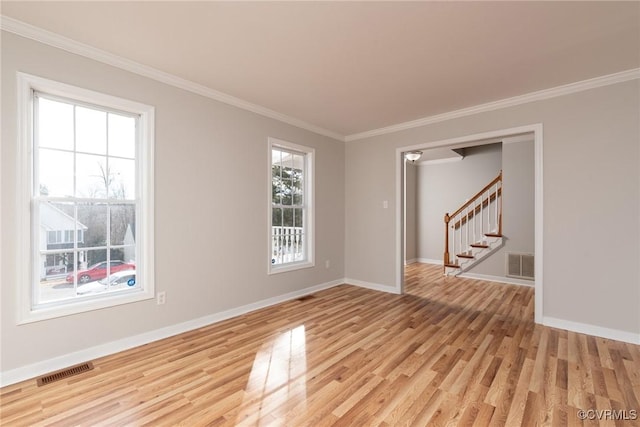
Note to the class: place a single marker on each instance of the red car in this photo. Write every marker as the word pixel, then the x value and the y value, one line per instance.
pixel 99 271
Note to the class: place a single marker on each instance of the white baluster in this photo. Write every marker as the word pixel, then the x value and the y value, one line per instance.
pixel 475 237
pixel 455 243
pixel 279 255
pixel 285 232
pixel 295 244
pixel 283 243
pixel 273 242
pixel 464 235
pixel 496 206
pixel 488 212
pixel 460 234
pixel 286 244
pixel 466 224
pixel 463 231
pixel 280 245
pixel 452 243
pixel 298 238
pixel 473 224
pixel 481 219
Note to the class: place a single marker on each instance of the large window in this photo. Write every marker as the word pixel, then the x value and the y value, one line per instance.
pixel 87 160
pixel 291 206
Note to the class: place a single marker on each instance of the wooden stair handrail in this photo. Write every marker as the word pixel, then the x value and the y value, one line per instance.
pixel 471 214
pixel 478 194
pixel 447 217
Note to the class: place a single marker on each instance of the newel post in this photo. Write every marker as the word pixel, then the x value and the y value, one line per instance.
pixel 446 238
pixel 499 207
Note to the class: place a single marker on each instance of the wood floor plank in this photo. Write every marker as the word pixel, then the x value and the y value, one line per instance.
pixel 450 351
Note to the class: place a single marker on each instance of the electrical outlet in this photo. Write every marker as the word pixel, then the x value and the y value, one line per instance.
pixel 385 204
pixel 327 264
pixel 162 297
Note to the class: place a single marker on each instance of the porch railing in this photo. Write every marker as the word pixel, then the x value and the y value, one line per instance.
pixel 287 244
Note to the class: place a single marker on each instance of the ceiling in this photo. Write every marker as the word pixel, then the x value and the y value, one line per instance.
pixel 351 67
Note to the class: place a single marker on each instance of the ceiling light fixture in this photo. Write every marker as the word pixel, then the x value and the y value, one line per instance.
pixel 412 156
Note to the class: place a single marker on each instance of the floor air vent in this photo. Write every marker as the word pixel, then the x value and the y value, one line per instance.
pixel 520 266
pixel 65 373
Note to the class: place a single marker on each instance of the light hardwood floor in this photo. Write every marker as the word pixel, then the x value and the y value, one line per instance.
pixel 449 352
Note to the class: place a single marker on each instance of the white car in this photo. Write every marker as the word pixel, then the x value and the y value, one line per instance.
pixel 119 280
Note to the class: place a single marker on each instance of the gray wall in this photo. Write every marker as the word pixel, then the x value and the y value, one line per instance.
pixel 444 187
pixel 591 149
pixel 210 208
pixel 518 207
pixel 411 198
pixel 591 153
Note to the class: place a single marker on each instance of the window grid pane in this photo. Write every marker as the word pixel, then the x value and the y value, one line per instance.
pixel 287 234
pixel 99 249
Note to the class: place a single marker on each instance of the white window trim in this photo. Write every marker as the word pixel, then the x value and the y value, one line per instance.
pixel 309 198
pixel 26 248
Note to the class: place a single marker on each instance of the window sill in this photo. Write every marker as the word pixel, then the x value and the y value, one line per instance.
pixel 273 269
pixel 69 308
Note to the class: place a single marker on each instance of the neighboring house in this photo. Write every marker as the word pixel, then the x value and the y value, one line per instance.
pixel 130 243
pixel 58 232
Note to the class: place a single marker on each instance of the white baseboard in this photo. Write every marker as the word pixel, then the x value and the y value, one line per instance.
pixel 33 370
pixel 373 286
pixel 499 279
pixel 598 331
pixel 431 261
pixel 411 261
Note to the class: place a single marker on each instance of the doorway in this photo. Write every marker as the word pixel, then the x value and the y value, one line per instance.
pixel 514 135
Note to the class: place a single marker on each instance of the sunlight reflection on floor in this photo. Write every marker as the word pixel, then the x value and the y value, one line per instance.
pixel 278 375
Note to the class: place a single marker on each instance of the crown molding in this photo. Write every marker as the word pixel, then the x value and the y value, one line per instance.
pixel 567 89
pixel 56 40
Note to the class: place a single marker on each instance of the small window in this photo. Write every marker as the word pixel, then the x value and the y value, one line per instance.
pixel 291 206
pixel 87 160
pixel 54 237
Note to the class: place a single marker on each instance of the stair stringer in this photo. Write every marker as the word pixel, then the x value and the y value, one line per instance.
pixel 493 243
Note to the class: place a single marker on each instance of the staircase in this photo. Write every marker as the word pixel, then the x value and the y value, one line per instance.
pixel 474 231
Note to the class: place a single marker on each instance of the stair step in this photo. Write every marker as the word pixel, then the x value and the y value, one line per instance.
pixel 465 256
pixel 452 265
pixel 479 245
pixel 493 235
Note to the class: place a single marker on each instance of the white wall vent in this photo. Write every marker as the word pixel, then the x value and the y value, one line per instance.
pixel 520 265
